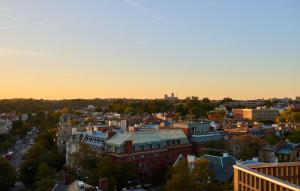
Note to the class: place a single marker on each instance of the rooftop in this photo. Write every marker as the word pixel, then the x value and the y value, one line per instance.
pixel 146 135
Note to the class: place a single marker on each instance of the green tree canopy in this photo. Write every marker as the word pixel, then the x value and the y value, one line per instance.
pixel 7 174
pixel 246 146
pixel 44 171
pixel 295 137
pixel 45 184
pixel 89 165
pixel 200 177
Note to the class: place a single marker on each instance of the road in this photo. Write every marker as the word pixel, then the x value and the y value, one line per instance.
pixel 21 147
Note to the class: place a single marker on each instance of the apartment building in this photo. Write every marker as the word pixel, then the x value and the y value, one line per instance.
pixel 267 177
pixel 148 149
pixel 255 114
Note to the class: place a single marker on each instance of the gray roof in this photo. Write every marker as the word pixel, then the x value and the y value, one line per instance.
pixel 203 138
pixel 222 166
pixel 146 136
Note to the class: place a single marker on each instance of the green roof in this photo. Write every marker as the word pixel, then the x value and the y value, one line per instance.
pixel 146 136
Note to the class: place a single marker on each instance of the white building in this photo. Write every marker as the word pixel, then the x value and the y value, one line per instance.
pixel 5 126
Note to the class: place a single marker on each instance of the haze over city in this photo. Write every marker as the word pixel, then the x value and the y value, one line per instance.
pixel 144 49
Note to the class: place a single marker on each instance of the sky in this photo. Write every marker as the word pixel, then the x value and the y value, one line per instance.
pixel 56 49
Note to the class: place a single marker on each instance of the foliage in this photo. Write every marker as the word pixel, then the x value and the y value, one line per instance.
pixel 181 178
pixel 7 174
pixel 272 140
pixel 89 165
pixel 295 137
pixel 40 105
pixel 246 146
pixel 19 129
pixel 45 184
pixel 43 159
pixel 28 172
pixel 289 117
pixel 198 178
pixel 44 171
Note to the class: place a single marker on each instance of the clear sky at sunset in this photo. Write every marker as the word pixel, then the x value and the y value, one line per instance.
pixel 146 48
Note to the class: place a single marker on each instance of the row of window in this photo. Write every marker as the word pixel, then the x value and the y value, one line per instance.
pixel 143 147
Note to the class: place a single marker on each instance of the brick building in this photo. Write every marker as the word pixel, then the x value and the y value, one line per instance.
pixel 149 149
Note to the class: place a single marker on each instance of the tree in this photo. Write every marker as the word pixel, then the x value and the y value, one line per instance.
pixel 202 174
pixel 272 140
pixel 89 165
pixel 246 146
pixel 7 174
pixel 45 185
pixel 181 178
pixel 44 172
pixel 295 137
pixel 205 100
pixel 289 117
pixel 189 178
pixel 28 172
pixel 84 161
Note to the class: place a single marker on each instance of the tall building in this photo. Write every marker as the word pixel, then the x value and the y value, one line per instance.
pixel 267 177
pixel 171 98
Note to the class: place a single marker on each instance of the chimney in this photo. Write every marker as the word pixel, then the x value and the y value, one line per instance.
pixel 103 184
pixel 67 179
pixel 128 146
pixel 110 134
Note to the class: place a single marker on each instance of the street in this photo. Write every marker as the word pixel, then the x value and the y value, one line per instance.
pixel 21 147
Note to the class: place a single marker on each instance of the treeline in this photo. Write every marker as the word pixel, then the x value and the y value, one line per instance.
pixel 191 105
pixel 40 105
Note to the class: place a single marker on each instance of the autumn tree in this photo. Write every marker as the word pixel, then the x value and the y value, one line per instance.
pixel 181 178
pixel 246 146
pixel 90 165
pixel 198 176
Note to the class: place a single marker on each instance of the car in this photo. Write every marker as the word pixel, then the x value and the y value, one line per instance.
pixel 9 155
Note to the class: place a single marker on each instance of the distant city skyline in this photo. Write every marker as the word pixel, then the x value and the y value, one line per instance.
pixel 146 49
